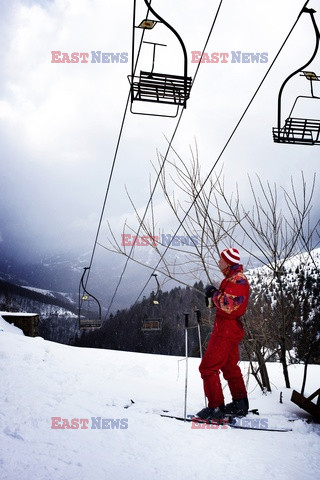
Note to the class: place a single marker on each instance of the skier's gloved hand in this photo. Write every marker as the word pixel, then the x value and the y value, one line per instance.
pixel 209 291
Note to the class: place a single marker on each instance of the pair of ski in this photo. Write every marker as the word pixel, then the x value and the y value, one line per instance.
pixel 229 421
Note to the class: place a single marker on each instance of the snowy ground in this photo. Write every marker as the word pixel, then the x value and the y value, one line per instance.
pixel 41 380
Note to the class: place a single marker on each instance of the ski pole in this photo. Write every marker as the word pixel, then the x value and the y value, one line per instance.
pixel 186 324
pixel 198 314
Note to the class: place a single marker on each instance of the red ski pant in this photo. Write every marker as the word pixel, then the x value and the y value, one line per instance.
pixel 222 354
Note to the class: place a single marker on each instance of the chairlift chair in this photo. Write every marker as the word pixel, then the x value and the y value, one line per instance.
pixel 86 323
pixel 90 324
pixel 158 88
pixel 300 131
pixel 153 323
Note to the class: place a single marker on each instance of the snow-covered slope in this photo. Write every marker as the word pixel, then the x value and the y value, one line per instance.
pixel 41 380
pixel 304 262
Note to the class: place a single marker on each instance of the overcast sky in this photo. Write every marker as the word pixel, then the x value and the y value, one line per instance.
pixel 60 121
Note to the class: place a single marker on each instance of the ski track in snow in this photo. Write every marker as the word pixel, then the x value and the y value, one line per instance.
pixel 42 379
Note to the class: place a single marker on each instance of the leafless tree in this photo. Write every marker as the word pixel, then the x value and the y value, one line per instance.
pixel 272 227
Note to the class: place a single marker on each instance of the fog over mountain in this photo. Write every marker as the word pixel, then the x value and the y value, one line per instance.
pixel 60 122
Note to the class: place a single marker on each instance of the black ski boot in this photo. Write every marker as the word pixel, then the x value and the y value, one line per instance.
pixel 237 408
pixel 211 413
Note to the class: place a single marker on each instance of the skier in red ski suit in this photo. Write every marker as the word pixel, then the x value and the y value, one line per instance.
pixel 222 353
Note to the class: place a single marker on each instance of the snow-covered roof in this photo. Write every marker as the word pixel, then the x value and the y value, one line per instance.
pixel 18 314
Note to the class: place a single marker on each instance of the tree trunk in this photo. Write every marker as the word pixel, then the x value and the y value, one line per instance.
pixel 284 364
pixel 263 381
pixel 263 371
pixel 306 363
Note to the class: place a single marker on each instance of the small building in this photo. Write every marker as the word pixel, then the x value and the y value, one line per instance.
pixel 27 322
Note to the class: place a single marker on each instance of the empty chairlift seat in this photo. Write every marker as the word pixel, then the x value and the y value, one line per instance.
pixel 298 131
pixel 89 324
pixel 161 88
pixel 152 324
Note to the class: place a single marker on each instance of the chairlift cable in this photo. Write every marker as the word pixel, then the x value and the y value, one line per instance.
pixel 110 176
pixel 135 63
pixel 224 148
pixel 145 213
pixel 160 171
pixel 207 41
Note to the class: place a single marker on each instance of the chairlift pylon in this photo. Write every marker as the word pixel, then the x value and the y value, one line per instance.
pixel 158 88
pixel 300 131
pixel 87 323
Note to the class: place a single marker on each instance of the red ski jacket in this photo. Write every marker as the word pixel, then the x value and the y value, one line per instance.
pixel 231 301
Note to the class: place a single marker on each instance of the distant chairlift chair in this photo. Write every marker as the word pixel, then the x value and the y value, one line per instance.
pixel 153 323
pixel 88 323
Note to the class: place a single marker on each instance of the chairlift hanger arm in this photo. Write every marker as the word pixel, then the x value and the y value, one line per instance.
pixel 154 52
pixel 86 291
pixel 315 26
pixel 158 284
pixel 152 10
